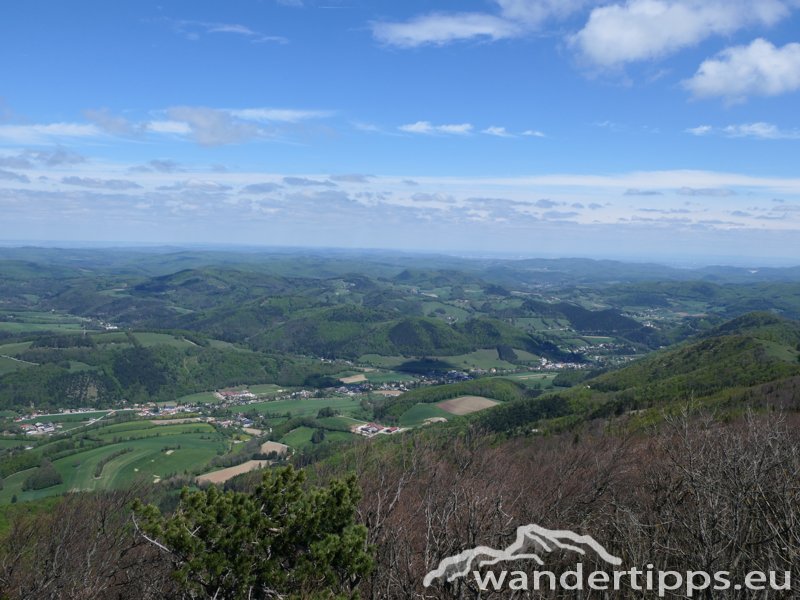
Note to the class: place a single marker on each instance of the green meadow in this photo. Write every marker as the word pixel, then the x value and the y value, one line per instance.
pixel 151 451
pixel 303 407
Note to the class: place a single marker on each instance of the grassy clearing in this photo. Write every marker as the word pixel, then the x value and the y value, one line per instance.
pixel 75 366
pixel 441 309
pixel 199 398
pixel 12 443
pixel 525 356
pixel 298 438
pixel 14 327
pixel 226 345
pixel 9 365
pixel 15 348
pixel 301 437
pixel 781 351
pixel 531 379
pixel 147 429
pixel 384 362
pixel 480 359
pixel 573 342
pixel 304 407
pixel 68 417
pixel 266 388
pixel 417 414
pixel 112 337
pixel 149 339
pixel 336 422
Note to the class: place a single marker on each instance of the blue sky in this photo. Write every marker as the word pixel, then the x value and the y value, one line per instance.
pixel 662 129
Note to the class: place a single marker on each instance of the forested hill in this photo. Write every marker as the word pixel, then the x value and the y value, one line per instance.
pixel 725 367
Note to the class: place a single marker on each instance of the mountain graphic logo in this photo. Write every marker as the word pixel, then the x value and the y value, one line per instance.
pixel 530 542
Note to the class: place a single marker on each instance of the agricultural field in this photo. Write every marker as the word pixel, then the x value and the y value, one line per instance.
pixel 466 405
pixel 531 379
pixel 379 377
pixel 36 321
pixel 223 475
pixel 304 407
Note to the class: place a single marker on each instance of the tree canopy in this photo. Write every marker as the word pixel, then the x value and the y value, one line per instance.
pixel 285 540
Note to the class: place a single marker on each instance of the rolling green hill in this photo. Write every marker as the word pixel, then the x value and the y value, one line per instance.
pixel 747 351
pixel 729 364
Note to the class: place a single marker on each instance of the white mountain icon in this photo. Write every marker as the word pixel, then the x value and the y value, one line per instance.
pixel 529 537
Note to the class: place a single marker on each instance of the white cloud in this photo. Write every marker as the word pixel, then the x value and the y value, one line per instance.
pixel 535 12
pixel 458 129
pixel 760 69
pixel 761 130
pixel 42 133
pixel 427 128
pixel 515 18
pixel 193 29
pixel 418 127
pixel 443 28
pixel 648 29
pixel 700 130
pixel 497 132
pixel 534 133
pixel 284 115
pixel 204 125
pixel 758 130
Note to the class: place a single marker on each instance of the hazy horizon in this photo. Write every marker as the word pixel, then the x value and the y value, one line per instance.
pixel 674 261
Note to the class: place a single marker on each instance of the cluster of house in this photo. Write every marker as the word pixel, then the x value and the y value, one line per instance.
pixel 559 365
pixel 40 428
pixel 236 395
pixel 153 410
pixel 373 429
pixel 235 421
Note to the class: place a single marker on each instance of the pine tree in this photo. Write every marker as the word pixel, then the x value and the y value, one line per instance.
pixel 284 540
